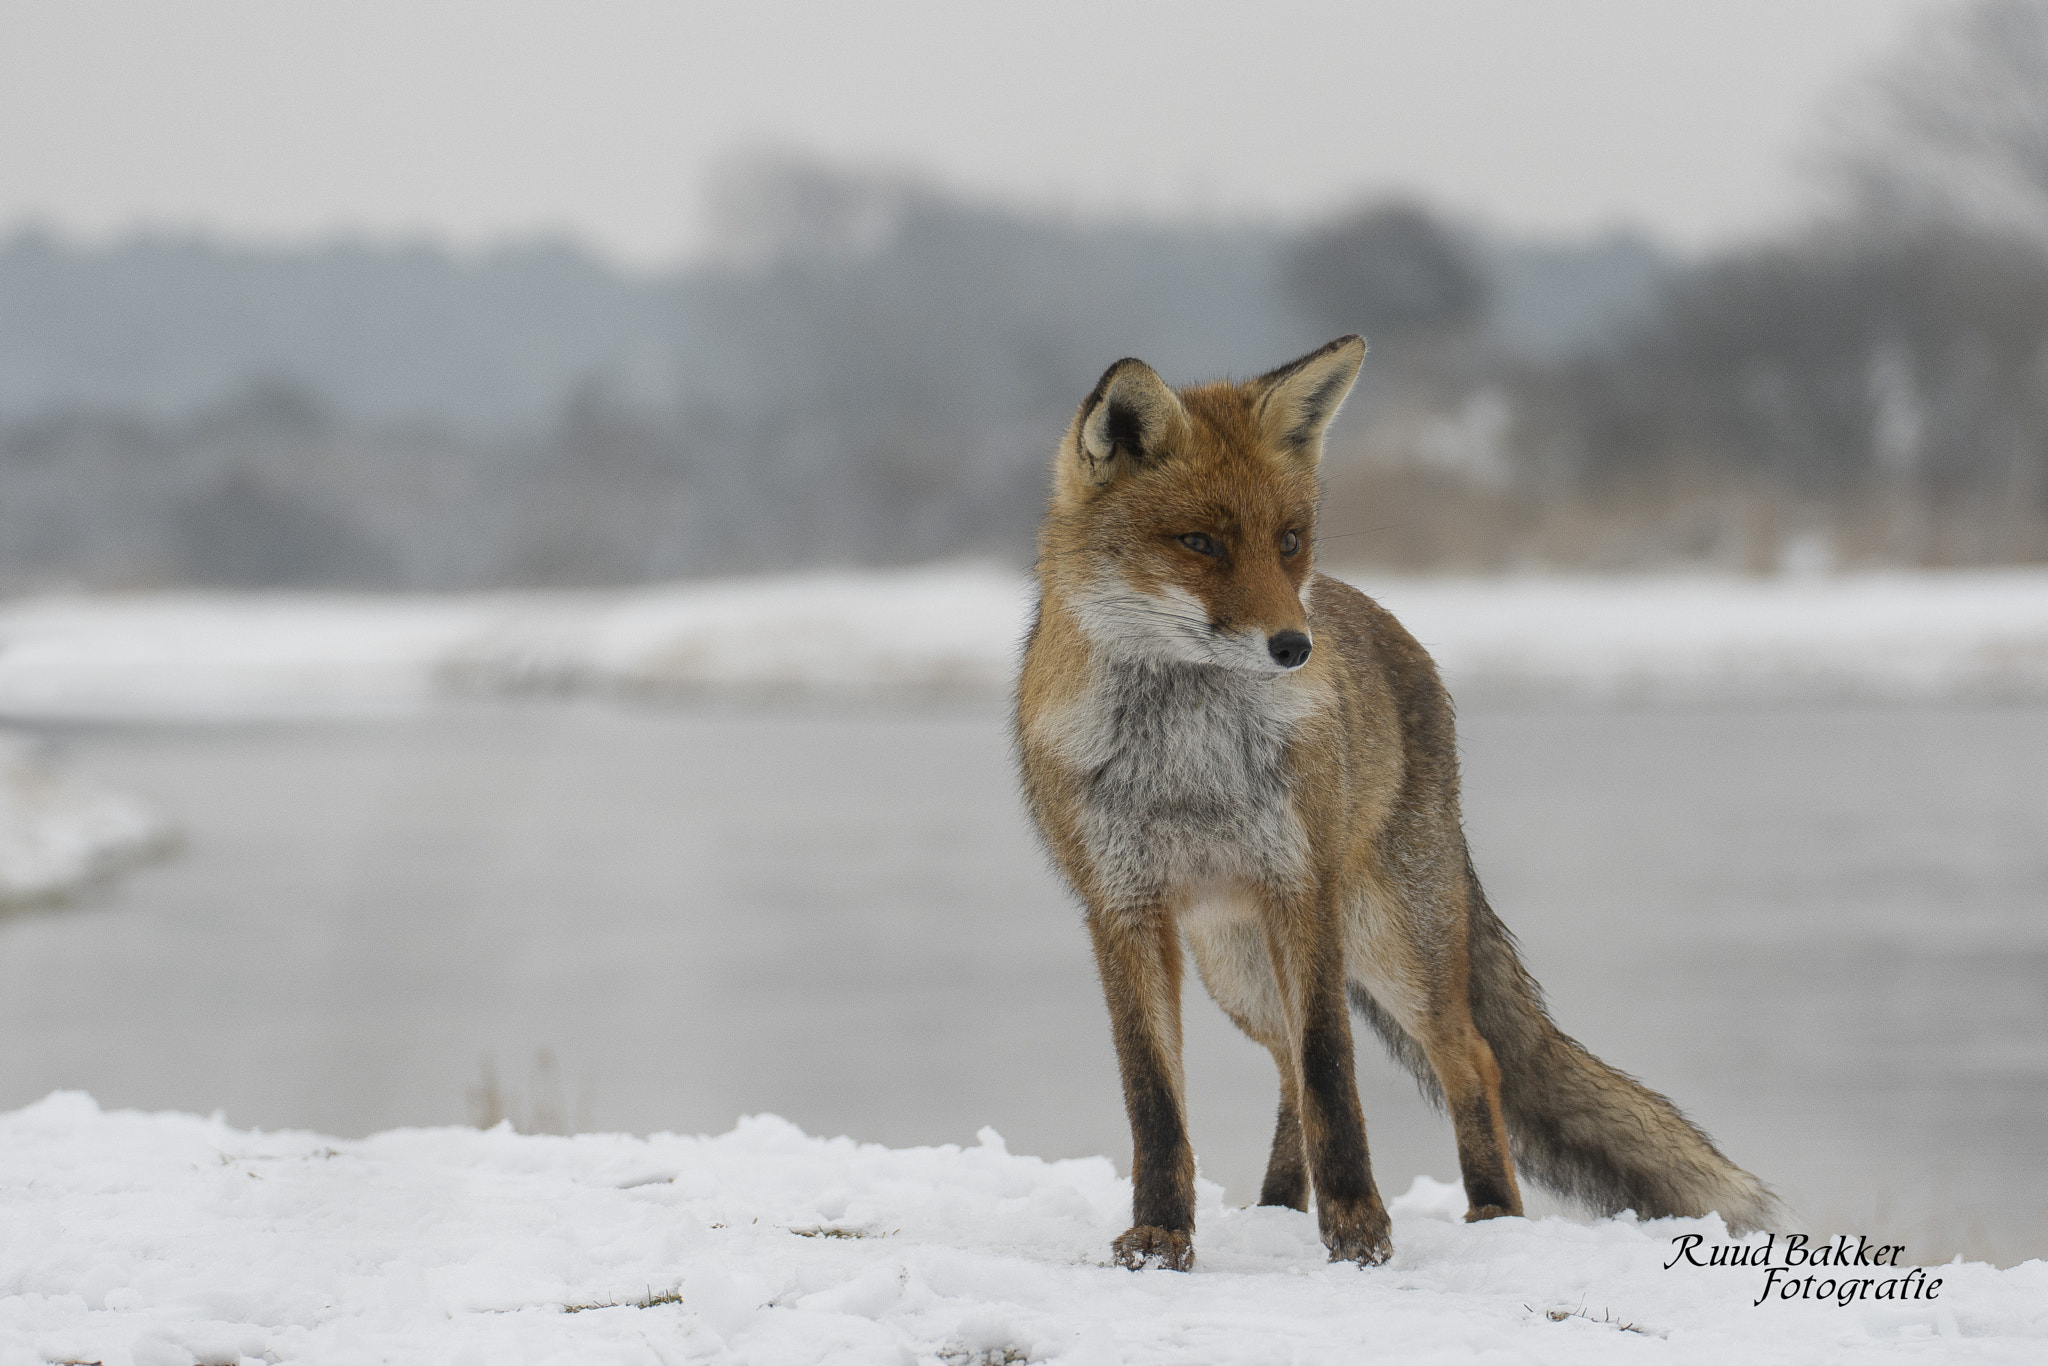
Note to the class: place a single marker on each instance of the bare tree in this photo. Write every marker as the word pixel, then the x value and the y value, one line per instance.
pixel 1955 129
pixel 1388 268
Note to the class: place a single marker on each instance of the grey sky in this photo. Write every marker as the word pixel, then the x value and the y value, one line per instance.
pixel 475 121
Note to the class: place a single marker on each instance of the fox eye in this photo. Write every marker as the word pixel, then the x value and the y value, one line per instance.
pixel 1200 544
pixel 1290 543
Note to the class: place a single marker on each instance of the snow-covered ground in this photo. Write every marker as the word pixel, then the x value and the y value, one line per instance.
pixel 160 1239
pixel 223 656
pixel 57 833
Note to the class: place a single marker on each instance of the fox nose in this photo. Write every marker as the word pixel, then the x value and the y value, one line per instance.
pixel 1289 649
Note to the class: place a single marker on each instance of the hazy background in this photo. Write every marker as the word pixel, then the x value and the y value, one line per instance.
pixel 452 296
pixel 423 296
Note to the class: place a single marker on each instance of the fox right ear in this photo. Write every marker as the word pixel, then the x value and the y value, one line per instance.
pixel 1127 420
pixel 1299 400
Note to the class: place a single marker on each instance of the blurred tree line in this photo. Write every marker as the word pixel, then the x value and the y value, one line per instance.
pixel 872 370
pixel 1870 389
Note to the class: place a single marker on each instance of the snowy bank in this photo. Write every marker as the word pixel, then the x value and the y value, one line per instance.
pixel 1886 636
pixel 57 834
pixel 157 1239
pixel 195 656
pixel 228 656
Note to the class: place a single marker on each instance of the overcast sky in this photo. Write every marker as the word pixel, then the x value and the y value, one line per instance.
pixel 473 122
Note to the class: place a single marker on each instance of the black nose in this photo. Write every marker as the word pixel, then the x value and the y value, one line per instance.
pixel 1289 649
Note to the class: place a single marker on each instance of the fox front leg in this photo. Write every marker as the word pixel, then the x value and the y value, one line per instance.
pixel 1138 957
pixel 1349 1212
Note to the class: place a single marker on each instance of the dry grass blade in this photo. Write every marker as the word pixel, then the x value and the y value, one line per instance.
pixel 651 1300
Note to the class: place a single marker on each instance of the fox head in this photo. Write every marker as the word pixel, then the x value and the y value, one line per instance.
pixel 1182 524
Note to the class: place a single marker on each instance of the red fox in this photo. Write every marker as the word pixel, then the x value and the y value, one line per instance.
pixel 1222 746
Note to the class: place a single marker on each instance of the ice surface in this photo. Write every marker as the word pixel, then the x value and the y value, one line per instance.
pixel 129 1238
pixel 57 833
pixel 1818 928
pixel 1936 634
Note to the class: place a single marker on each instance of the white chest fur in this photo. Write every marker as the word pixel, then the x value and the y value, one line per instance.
pixel 1187 776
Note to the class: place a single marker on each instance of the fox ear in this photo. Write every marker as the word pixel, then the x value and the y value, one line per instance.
pixel 1127 421
pixel 1297 401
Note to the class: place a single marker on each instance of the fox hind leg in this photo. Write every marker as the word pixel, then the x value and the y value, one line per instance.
pixel 1428 1012
pixel 1470 1078
pixel 1286 1183
pixel 1231 956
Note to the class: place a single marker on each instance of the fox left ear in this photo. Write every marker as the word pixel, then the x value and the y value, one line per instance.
pixel 1130 419
pixel 1298 401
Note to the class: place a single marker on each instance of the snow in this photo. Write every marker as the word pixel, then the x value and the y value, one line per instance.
pixel 224 656
pixel 56 833
pixel 218 656
pixel 1897 635
pixel 155 1239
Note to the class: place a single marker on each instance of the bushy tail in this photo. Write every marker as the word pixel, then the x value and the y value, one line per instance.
pixel 1582 1129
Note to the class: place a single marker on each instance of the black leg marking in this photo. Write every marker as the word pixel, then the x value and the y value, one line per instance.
pixel 1286 1181
pixel 1354 1223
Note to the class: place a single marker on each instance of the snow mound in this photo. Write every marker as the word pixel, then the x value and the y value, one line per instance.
pixel 144 1240
pixel 1933 634
pixel 933 628
pixel 194 656
pixel 57 834
pixel 221 656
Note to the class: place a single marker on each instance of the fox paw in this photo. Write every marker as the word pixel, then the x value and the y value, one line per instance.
pixel 1366 1239
pixel 1166 1248
pixel 1478 1212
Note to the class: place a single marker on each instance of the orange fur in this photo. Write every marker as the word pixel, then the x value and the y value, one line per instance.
pixel 1220 746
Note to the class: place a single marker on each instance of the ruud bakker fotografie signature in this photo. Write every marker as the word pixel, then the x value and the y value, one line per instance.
pixel 1829 1267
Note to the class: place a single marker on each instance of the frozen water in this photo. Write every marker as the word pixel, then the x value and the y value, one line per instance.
pixel 1818 928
